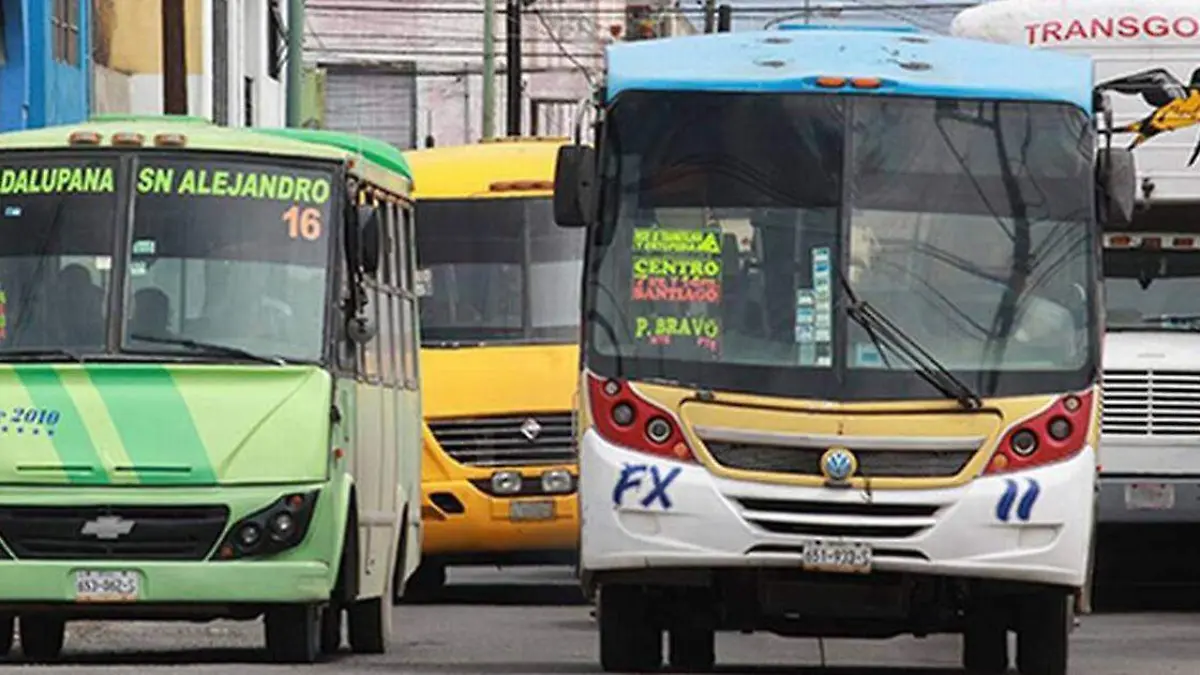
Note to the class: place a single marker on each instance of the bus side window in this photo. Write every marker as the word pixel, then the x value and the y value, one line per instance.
pixel 411 341
pixel 388 308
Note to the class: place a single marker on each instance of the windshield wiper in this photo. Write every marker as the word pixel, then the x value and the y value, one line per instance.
pixel 924 364
pixel 39 354
pixel 211 348
pixel 1170 317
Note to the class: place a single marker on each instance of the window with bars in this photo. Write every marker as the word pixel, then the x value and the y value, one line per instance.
pixel 276 38
pixel 64 27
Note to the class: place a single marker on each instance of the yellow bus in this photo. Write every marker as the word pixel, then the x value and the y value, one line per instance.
pixel 500 313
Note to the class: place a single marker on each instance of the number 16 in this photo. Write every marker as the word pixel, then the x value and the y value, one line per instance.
pixel 303 223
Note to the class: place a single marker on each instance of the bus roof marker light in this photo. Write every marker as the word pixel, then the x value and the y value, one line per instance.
pixel 831 81
pixel 1120 240
pixel 1183 242
pixel 1152 243
pixel 128 139
pixel 170 140
pixel 84 138
pixel 866 83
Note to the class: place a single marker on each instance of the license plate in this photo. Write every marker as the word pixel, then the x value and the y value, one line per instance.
pixel 1149 496
pixel 107 586
pixel 543 510
pixel 827 556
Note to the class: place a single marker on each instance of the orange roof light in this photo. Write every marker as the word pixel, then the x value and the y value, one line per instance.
pixel 128 139
pixel 1152 242
pixel 1120 240
pixel 521 185
pixel 831 81
pixel 1183 242
pixel 866 83
pixel 170 140
pixel 84 138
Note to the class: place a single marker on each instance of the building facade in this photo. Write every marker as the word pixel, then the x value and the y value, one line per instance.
pixel 236 53
pixel 424 62
pixel 44 63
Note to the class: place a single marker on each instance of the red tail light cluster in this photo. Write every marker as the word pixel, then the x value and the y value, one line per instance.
pixel 1057 433
pixel 626 419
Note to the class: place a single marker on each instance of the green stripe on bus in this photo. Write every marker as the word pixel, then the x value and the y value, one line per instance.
pixel 155 424
pixel 72 441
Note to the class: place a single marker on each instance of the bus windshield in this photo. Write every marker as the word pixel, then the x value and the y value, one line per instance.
pixel 57 231
pixel 496 271
pixel 229 253
pixel 736 228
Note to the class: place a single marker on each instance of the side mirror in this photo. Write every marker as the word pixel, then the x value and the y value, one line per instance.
pixel 1118 183
pixel 370 238
pixel 575 186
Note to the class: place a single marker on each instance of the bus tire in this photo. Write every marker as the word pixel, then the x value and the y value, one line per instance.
pixel 1043 633
pixel 331 629
pixel 630 640
pixel 985 643
pixel 293 633
pixel 692 649
pixel 369 625
pixel 42 636
pixel 8 624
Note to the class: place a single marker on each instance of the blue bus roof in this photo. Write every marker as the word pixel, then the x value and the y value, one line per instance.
pixel 790 61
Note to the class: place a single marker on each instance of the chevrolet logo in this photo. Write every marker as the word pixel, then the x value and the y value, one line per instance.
pixel 530 429
pixel 108 527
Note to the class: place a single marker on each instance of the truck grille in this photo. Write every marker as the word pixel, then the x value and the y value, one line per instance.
pixel 157 532
pixel 1151 403
pixel 520 440
pixel 872 463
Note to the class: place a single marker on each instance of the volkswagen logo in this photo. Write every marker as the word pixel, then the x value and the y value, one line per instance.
pixel 530 429
pixel 838 464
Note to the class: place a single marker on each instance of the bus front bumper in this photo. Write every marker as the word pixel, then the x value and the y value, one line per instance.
pixel 41 582
pixel 642 512
pixel 464 525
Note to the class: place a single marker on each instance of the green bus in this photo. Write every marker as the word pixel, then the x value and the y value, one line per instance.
pixel 209 401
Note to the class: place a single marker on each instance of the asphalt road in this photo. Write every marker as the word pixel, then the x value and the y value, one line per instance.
pixel 531 622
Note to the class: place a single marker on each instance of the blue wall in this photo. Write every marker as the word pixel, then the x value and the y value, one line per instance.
pixel 35 90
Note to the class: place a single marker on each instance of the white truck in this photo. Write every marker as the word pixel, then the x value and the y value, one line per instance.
pixel 1147 60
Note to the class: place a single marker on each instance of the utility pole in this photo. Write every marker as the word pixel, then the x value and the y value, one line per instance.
pixel 514 67
pixel 174 57
pixel 489 69
pixel 295 61
pixel 710 15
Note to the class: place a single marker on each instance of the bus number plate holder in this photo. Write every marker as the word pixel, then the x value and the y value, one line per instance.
pixel 837 556
pixel 1149 496
pixel 530 510
pixel 107 586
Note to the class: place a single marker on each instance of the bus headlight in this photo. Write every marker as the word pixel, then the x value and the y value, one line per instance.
pixel 506 482
pixel 556 481
pixel 285 522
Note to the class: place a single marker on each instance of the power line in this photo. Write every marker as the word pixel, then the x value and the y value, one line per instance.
pixel 593 11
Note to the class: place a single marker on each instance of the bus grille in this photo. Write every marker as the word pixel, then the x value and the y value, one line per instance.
pixel 1151 403
pixel 871 463
pixel 831 519
pixel 98 532
pixel 521 440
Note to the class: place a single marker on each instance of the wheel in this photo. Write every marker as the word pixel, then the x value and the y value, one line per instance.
pixel 630 639
pixel 985 644
pixel 692 648
pixel 293 633
pixel 7 624
pixel 1043 630
pixel 331 629
pixel 426 582
pixel 370 625
pixel 42 636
